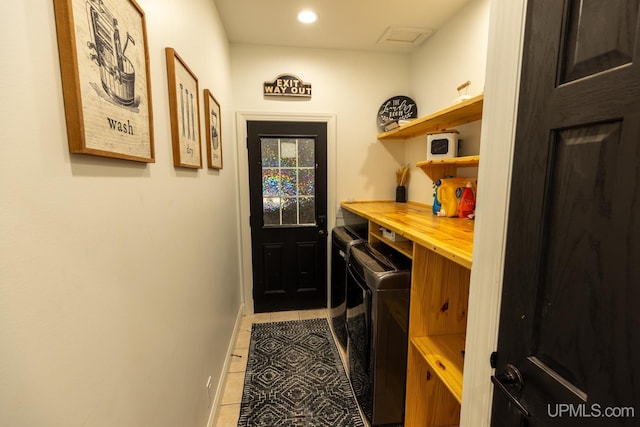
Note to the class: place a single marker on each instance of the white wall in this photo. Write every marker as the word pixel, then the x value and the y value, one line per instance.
pixel 348 88
pixel 118 280
pixel 456 53
pixel 351 85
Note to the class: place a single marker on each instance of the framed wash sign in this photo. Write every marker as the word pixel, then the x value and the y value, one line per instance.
pixel 104 62
pixel 184 108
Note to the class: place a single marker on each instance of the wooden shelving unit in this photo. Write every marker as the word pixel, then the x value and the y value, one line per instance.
pixel 439 296
pixel 437 328
pixel 436 169
pixel 458 114
pixel 440 249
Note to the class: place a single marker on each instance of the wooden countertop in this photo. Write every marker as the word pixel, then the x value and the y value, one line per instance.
pixel 450 237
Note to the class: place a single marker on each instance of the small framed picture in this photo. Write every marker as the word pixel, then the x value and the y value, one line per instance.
pixel 213 131
pixel 184 108
pixel 104 63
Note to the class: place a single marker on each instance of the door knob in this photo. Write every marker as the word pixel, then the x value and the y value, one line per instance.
pixel 322 225
pixel 511 377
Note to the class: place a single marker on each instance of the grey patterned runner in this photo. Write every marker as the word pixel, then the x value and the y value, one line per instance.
pixel 295 378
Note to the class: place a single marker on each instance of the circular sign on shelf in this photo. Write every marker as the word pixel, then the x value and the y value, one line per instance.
pixel 394 109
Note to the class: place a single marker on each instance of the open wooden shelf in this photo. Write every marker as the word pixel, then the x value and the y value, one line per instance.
pixel 436 169
pixel 405 247
pixel 458 114
pixel 443 353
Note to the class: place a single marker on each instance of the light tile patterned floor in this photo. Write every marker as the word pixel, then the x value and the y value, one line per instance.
pixel 229 410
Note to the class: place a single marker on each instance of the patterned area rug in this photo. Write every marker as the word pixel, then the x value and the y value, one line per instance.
pixel 294 377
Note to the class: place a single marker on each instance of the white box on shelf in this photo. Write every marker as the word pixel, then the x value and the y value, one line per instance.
pixel 391 235
pixel 442 145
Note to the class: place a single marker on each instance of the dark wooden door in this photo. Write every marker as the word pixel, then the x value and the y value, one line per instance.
pixel 569 342
pixel 288 192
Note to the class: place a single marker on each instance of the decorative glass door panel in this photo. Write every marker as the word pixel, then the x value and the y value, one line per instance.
pixel 288 181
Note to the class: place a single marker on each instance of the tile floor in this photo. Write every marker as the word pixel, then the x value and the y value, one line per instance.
pixel 229 410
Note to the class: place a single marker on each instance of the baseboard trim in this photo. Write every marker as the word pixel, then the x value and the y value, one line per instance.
pixel 215 404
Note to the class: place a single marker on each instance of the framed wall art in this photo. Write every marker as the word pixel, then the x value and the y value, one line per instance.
pixel 213 130
pixel 104 63
pixel 184 108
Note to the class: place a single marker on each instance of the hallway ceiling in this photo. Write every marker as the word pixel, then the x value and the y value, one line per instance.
pixel 341 24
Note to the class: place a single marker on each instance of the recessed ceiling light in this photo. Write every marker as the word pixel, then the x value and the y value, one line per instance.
pixel 307 17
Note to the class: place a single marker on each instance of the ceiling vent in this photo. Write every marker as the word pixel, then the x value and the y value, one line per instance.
pixel 404 36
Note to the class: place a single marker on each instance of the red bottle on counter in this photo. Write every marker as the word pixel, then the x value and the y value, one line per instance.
pixel 467 202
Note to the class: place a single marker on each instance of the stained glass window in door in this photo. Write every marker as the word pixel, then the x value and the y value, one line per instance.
pixel 288 181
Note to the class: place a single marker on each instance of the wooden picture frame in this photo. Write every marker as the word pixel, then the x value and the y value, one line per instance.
pixel 104 65
pixel 184 109
pixel 213 131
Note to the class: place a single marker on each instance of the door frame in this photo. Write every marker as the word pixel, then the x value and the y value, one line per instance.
pixel 242 117
pixel 504 58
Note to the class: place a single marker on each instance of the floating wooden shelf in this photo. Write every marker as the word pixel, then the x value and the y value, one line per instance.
pixel 436 169
pixel 458 114
pixel 444 354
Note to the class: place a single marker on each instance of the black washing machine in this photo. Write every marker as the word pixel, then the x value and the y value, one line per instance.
pixel 342 239
pixel 378 289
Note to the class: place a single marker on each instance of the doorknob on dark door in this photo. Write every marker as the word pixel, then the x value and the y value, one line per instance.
pixel 512 377
pixel 322 225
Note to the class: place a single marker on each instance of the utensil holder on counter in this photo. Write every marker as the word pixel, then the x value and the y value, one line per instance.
pixel 401 193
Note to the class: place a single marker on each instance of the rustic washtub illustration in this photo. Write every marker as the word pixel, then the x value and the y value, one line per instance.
pixel 105 77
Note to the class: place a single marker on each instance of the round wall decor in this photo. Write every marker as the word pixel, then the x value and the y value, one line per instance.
pixel 394 109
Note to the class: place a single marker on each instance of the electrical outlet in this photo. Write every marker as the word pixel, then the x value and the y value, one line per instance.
pixel 209 390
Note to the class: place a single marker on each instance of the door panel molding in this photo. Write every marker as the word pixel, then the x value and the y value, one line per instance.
pixel 273 261
pixel 242 117
pixel 590 52
pixel 306 252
